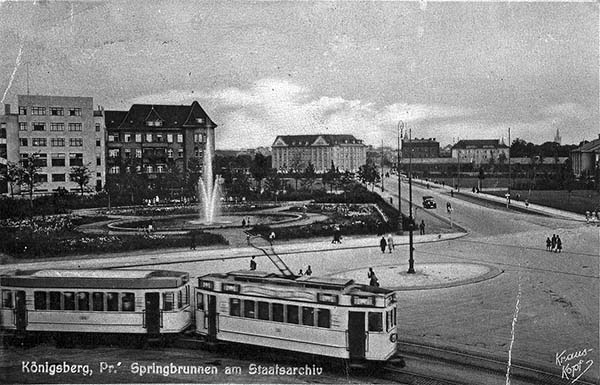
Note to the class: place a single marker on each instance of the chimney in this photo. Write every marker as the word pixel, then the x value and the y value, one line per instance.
pixel 6 109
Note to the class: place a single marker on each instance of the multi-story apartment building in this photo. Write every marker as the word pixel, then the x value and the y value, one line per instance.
pixel 151 139
pixel 9 143
pixel 480 151
pixel 57 133
pixel 420 148
pixel 585 159
pixel 294 152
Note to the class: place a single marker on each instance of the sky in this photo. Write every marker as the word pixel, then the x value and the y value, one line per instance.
pixel 447 70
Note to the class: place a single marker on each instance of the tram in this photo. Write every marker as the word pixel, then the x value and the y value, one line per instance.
pixel 150 302
pixel 322 316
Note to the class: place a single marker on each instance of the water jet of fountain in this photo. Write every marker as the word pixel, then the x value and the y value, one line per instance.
pixel 208 186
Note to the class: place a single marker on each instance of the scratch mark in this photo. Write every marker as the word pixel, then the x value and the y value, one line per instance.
pixel 512 332
pixel 12 76
pixel 72 16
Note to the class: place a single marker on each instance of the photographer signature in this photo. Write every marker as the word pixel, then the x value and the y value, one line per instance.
pixel 574 364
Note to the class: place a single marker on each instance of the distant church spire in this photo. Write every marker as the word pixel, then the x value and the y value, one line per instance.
pixel 557 137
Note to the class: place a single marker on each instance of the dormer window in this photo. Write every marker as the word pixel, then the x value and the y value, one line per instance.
pixel 199 120
pixel 154 123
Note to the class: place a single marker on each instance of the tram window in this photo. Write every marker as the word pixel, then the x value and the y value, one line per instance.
pixel 388 320
pixel 186 295
pixel 323 318
pixel 112 301
pixel 263 310
pixel 7 301
pixel 179 300
pixel 55 300
pixel 83 301
pixel 97 301
pixel 128 302
pixel 168 301
pixel 69 300
pixel 199 301
pixel 375 322
pixel 39 300
pixel 292 314
pixel 249 309
pixel 308 316
pixel 278 312
pixel 234 307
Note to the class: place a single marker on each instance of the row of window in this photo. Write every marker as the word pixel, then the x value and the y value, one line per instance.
pixel 146 138
pixel 158 152
pixel 160 168
pixel 41 126
pixel 53 111
pixel 57 159
pixel 54 142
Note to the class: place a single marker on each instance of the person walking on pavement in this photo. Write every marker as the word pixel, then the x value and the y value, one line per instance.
pixel 300 273
pixel 382 244
pixel 558 244
pixel 271 237
pixel 308 271
pixel 373 281
pixel 252 264
pixel 390 243
pixel 553 242
pixel 548 244
pixel 422 227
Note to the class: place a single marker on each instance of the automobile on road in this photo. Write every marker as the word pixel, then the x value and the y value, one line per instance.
pixel 429 202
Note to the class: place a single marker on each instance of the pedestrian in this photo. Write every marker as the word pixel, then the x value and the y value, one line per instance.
pixel 248 221
pixel 422 227
pixel 449 207
pixel 553 242
pixel 300 273
pixel 548 244
pixel 373 281
pixel 248 239
pixel 244 222
pixel 451 193
pixel 271 237
pixel 390 243
pixel 252 264
pixel 558 244
pixel 587 217
pixel 308 271
pixel 192 240
pixel 382 244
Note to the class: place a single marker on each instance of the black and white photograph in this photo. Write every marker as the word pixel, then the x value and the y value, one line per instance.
pixel 282 192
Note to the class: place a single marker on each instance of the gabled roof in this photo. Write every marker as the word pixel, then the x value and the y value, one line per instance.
pixel 592 146
pixel 192 116
pixel 309 140
pixel 112 119
pixel 479 143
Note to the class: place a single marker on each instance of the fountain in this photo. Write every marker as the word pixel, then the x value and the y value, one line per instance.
pixel 208 188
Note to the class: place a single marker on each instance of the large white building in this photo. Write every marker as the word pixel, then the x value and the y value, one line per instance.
pixel 481 151
pixel 295 152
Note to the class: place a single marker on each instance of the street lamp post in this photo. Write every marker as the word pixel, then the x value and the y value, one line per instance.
pixel 401 224
pixel 411 261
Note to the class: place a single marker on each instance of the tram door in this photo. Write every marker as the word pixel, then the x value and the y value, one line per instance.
pixel 152 317
pixel 20 311
pixel 356 334
pixel 212 317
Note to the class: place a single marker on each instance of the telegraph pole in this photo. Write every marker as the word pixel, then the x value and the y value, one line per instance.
pixel 382 188
pixel 401 224
pixel 411 261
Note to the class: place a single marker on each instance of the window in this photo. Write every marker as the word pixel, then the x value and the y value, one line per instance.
pixel 98 142
pixel 22 110
pixel 58 160
pixel 112 301
pixel 113 153
pixel 277 312
pixel 198 138
pixel 323 318
pixel 138 152
pixel 112 138
pixel 179 138
pixel 74 111
pixel 234 307
pixel 39 300
pixel 390 318
pixel 180 153
pixel 263 310
pixel 138 138
pixel 39 126
pixel 127 138
pixel 114 170
pixel 249 309
pixel 375 322
pixel 160 168
pixel 179 299
pixel 38 142
pixel 23 141
pixel 69 300
pixel 149 138
pixel 168 301
pixel 169 138
pixel 128 302
pixel 97 127
pixel 98 161
pixel 40 160
pixel 57 142
pixel 159 137
pixel 74 126
pixel 149 169
pixel 55 300
pixel 59 178
pixel 75 142
pixel 57 111
pixel 22 126
pixel 7 301
pixel 308 316
pixel 41 178
pixel 75 159
pixel 35 110
pixel 57 126
pixel 97 301
pixel 199 301
pixel 292 314
pixel 83 301
pixel 154 123
pixel 170 153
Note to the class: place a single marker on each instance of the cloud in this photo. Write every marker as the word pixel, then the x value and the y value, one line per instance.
pixel 567 110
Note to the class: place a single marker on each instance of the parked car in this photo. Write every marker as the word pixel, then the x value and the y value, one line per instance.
pixel 429 202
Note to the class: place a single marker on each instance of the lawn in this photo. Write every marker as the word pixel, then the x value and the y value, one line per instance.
pixel 578 201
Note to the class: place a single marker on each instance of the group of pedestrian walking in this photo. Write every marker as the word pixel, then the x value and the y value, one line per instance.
pixel 246 222
pixel 554 244
pixel 308 271
pixel 337 235
pixel 389 243
pixel 592 217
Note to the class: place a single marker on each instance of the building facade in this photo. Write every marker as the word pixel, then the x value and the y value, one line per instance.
pixel 9 146
pixel 420 148
pixel 295 152
pixel 57 133
pixel 152 139
pixel 478 152
pixel 585 159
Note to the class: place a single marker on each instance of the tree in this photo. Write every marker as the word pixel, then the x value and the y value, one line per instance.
pixel 502 158
pixel 309 176
pixel 481 177
pixel 331 176
pixel 30 177
pixel 369 174
pixel 295 167
pixel 80 175
pixel 14 176
pixel 273 182
pixel 260 169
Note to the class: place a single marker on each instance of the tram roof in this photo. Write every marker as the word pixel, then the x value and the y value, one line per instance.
pixel 65 278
